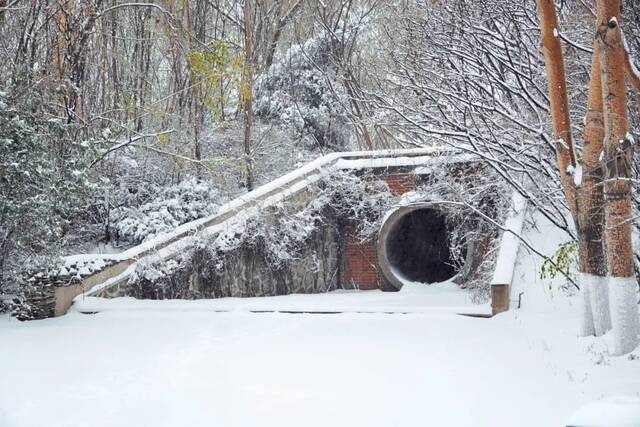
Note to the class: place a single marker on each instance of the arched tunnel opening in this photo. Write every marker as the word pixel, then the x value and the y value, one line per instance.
pixel 414 246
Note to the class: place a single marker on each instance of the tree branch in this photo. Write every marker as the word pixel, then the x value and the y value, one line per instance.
pixel 121 144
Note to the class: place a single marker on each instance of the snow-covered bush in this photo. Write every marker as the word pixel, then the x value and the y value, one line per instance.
pixel 362 200
pixel 302 90
pixel 174 206
pixel 42 186
pixel 165 280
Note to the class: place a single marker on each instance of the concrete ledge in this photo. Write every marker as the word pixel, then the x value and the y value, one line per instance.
pixel 499 299
pixel 64 295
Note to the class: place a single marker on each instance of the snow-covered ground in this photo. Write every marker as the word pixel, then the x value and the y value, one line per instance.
pixel 444 297
pixel 183 364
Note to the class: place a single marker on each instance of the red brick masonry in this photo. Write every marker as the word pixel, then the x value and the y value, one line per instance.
pixel 401 183
pixel 360 268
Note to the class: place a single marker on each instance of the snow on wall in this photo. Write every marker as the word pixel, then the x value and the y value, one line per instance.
pixel 508 252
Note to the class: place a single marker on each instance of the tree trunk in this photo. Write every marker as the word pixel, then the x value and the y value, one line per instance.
pixel 593 268
pixel 277 32
pixel 583 189
pixel 592 260
pixel 247 93
pixel 618 157
pixel 554 63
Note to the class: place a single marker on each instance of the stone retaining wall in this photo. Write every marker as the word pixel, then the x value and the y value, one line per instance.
pixel 247 272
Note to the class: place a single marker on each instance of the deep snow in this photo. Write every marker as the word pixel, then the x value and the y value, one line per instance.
pixel 156 364
pixel 245 369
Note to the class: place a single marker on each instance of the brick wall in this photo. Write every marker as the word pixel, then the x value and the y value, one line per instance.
pixel 360 266
pixel 400 183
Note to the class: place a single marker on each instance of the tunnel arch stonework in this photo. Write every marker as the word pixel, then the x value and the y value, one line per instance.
pixel 413 245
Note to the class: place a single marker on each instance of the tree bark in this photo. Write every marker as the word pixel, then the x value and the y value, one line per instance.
pixel 592 258
pixel 3 5
pixel 618 157
pixel 558 96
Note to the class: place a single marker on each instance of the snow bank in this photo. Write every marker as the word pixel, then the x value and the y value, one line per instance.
pixel 201 368
pixel 618 411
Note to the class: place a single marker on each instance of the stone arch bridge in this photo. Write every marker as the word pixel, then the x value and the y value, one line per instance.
pixel 410 246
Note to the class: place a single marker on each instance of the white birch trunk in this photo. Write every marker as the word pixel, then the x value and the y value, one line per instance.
pixel 624 311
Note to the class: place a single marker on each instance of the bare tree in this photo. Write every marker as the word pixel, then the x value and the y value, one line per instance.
pixel 247 91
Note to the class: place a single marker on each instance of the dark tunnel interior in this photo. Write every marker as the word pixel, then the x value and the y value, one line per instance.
pixel 418 247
